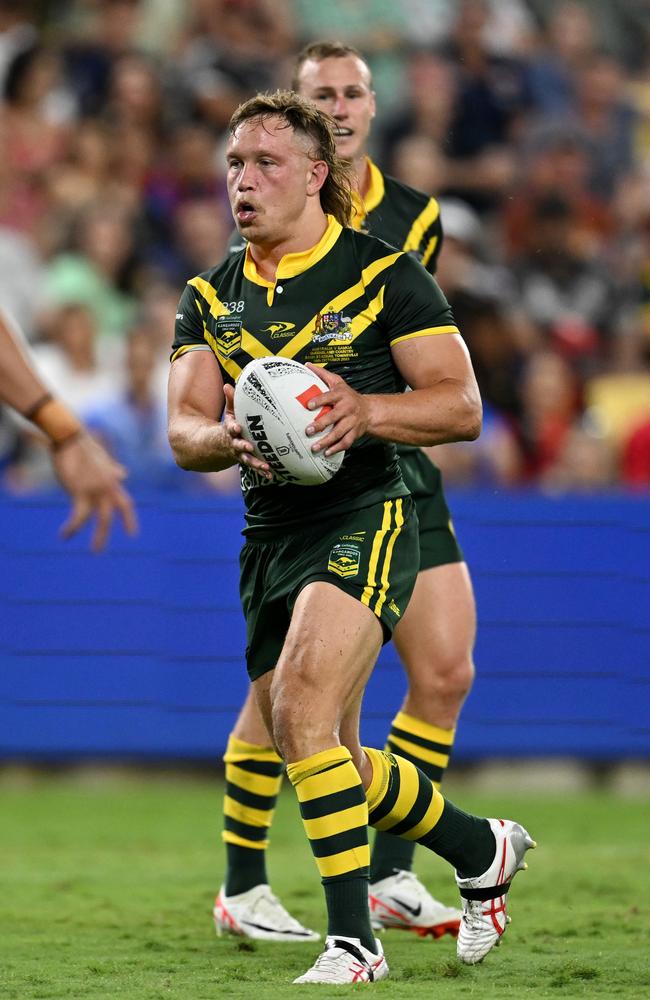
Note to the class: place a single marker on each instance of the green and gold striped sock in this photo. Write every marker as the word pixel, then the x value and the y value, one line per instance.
pixel 404 801
pixel 335 816
pixel 253 780
pixel 429 748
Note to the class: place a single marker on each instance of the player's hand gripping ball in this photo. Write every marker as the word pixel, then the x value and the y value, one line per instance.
pixel 271 397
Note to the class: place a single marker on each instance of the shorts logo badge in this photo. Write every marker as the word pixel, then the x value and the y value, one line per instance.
pixel 344 561
pixel 332 326
pixel 227 334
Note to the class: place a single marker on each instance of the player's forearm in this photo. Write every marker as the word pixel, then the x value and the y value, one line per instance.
pixel 448 411
pixel 21 388
pixel 200 444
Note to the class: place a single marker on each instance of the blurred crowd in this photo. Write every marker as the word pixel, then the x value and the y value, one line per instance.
pixel 529 120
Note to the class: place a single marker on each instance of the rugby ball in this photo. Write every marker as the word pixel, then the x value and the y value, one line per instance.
pixel 271 397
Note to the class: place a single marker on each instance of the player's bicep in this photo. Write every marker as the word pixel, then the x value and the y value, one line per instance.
pixel 424 361
pixel 195 386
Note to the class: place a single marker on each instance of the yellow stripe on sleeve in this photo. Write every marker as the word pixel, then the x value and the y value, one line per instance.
pixel 424 221
pixel 186 348
pixel 428 253
pixel 430 331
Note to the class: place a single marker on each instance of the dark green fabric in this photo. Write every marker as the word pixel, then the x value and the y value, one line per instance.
pixel 337 551
pixel 438 544
pixel 347 909
pixel 245 868
pixel 344 312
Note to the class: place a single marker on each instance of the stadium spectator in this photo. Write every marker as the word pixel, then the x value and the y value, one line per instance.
pixel 97 269
pixel 491 337
pixel 586 462
pixel 636 456
pixel 492 461
pixel 17 32
pixel 21 280
pixel 555 159
pixel 75 359
pixel 34 126
pixel 425 110
pixel 188 173
pixel 132 422
pixel 567 296
pixel 93 37
pixel 608 119
pixel 550 406
pixel 568 38
pixel 235 47
pixel 123 103
pixel 492 98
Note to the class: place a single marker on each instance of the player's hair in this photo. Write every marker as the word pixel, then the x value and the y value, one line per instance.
pixel 308 120
pixel 323 50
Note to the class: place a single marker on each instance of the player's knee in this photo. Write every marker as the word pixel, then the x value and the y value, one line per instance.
pixel 448 679
pixel 297 724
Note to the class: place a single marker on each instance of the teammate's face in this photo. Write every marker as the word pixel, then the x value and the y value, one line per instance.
pixel 341 86
pixel 271 178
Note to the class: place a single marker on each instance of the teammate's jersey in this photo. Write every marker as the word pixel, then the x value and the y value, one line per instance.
pixel 342 305
pixel 407 219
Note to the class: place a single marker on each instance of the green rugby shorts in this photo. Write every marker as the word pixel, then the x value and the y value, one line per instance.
pixel 438 544
pixel 372 554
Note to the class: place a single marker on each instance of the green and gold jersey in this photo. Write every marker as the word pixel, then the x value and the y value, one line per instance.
pixel 343 304
pixel 407 219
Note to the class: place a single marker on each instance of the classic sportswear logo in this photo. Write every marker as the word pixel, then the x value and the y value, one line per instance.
pixel 278 330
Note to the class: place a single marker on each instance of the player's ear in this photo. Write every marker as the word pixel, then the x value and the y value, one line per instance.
pixel 317 176
pixel 373 104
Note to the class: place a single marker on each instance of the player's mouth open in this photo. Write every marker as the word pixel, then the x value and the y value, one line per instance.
pixel 343 133
pixel 245 211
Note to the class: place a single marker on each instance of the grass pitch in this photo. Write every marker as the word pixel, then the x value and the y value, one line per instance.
pixel 108 886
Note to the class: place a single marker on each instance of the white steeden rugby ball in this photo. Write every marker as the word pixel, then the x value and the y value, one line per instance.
pixel 271 397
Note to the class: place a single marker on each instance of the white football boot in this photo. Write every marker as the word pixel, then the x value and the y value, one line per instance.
pixel 346 961
pixel 484 919
pixel 258 914
pixel 400 900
